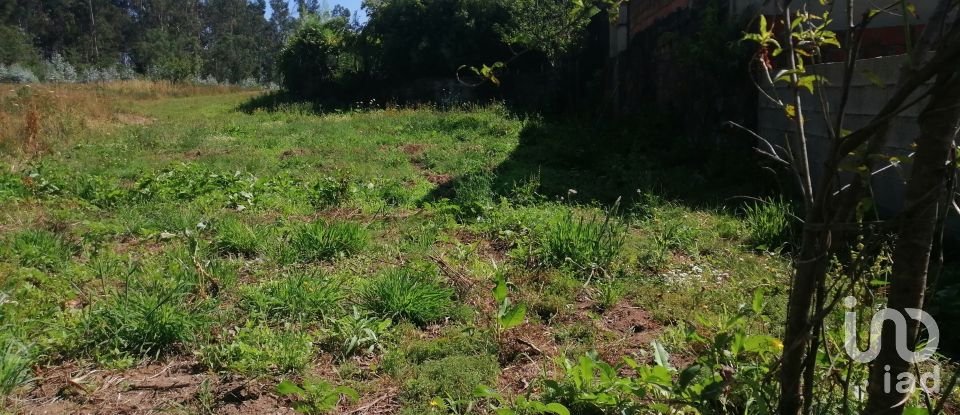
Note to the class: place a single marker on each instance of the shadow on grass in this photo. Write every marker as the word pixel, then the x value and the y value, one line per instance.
pixel 600 161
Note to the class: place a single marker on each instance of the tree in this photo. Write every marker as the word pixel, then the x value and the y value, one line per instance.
pixel 308 61
pixel 832 205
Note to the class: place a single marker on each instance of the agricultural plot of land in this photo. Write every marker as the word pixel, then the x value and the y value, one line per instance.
pixel 191 257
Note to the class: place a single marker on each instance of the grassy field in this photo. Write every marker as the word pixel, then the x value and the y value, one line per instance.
pixel 170 252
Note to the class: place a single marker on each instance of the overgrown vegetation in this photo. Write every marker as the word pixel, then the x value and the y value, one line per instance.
pixel 400 256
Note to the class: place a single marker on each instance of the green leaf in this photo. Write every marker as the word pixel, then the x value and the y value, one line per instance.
pixel 514 317
pixel 660 355
pixel 912 9
pixel 483 391
pixel 557 409
pixel 759 343
pixel 500 290
pixel 873 78
pixel 757 304
pixel 807 82
pixel 287 388
pixel 688 375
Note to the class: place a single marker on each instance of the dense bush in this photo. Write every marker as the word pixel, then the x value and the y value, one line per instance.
pixel 59 70
pixel 309 60
pixel 17 74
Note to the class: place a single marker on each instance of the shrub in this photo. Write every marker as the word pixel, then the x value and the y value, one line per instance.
pixel 408 294
pixel 236 237
pixel 41 249
pixel 585 243
pixel 258 350
pixel 308 61
pixel 768 223
pixel 59 70
pixel 453 377
pixel 17 74
pixel 141 320
pixel 320 241
pixel 298 298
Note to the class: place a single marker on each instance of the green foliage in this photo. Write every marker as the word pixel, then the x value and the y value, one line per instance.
pixel 358 333
pixel 768 223
pixel 315 396
pixel 473 193
pixel 144 318
pixel 408 294
pixel 329 191
pixel 300 297
pixel 428 38
pixel 15 363
pixel 453 377
pixel 257 350
pixel 549 27
pixel 236 237
pixel 309 59
pixel 322 241
pixel 586 244
pixel 41 249
pixel 508 315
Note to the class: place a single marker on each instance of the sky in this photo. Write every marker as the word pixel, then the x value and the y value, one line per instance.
pixel 353 5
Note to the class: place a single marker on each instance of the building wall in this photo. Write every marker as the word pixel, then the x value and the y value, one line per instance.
pixel 867 97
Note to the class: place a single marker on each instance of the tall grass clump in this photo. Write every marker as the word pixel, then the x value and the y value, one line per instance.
pixel 768 223
pixel 297 298
pixel 321 241
pixel 15 365
pixel 236 237
pixel 140 320
pixel 408 294
pixel 41 249
pixel 473 194
pixel 582 242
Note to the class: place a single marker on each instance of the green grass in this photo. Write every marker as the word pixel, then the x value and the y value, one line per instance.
pixel 320 241
pixel 293 298
pixel 40 249
pixel 258 350
pixel 236 237
pixel 408 294
pixel 271 245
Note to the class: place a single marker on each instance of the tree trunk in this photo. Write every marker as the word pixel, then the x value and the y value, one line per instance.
pixel 925 191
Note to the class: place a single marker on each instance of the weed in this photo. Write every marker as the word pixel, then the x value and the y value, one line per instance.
pixel 319 241
pixel 298 298
pixel 41 249
pixel 315 396
pixel 408 294
pixel 141 319
pixel 453 377
pixel 15 365
pixel 508 315
pixel 328 191
pixel 585 244
pixel 768 223
pixel 358 333
pixel 236 237
pixel 607 294
pixel 473 193
pixel 258 350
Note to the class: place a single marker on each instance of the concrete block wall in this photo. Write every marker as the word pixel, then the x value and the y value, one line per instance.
pixel 872 86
